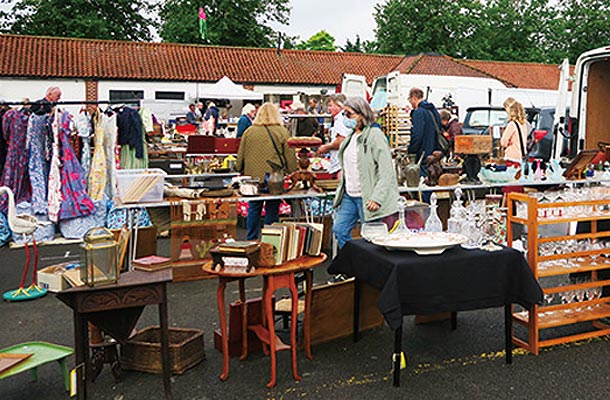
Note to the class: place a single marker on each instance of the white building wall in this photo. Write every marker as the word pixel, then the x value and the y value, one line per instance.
pixel 15 89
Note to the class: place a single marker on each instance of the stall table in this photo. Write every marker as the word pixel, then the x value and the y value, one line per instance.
pixel 116 308
pixel 273 278
pixel 457 280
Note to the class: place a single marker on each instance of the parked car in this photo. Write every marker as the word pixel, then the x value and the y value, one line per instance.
pixel 478 120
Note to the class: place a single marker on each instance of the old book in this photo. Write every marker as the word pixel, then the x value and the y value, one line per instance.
pixel 151 263
pixel 238 247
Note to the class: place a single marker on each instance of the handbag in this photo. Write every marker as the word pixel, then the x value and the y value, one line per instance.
pixel 283 162
pixel 442 141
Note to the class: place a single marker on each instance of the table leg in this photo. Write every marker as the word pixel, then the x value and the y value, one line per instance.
pixel 244 320
pixel 81 338
pixel 293 326
pixel 222 313
pixel 165 344
pixel 397 355
pixel 267 299
pixel 264 317
pixel 356 326
pixel 508 333
pixel 307 317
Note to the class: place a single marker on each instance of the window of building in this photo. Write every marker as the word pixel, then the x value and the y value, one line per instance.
pixel 118 95
pixel 169 96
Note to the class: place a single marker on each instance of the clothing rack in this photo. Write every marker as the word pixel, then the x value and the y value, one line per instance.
pixel 71 102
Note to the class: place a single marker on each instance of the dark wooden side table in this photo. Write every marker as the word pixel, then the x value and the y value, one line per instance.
pixel 273 278
pixel 115 309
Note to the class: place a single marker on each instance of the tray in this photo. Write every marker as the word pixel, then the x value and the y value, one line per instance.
pixel 422 243
pixel 42 353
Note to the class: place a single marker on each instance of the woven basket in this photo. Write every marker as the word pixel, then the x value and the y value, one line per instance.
pixel 143 352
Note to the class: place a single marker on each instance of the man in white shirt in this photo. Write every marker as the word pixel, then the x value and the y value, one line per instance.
pixel 338 132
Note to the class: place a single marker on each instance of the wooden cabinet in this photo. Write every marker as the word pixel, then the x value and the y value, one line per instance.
pixel 568 267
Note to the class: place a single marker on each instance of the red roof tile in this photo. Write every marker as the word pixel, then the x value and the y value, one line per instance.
pixel 48 57
pixel 521 75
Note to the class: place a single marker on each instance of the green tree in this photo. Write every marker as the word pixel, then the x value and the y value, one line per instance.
pixel 414 26
pixel 229 23
pixel 103 19
pixel 581 25
pixel 322 40
pixel 355 47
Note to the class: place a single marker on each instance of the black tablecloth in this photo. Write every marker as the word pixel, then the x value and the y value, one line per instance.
pixel 457 280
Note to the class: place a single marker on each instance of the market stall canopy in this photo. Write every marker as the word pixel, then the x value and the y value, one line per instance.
pixel 226 89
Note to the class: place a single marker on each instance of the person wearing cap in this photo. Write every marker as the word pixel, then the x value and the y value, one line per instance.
pixel 305 126
pixel 245 121
pixel 46 105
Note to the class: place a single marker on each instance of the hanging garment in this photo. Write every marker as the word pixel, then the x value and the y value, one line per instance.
pixel 112 153
pixel 3 143
pixel 97 174
pixel 130 130
pixel 38 165
pixel 5 230
pixel 54 195
pixel 42 234
pixel 84 127
pixel 15 174
pixel 75 202
pixel 75 228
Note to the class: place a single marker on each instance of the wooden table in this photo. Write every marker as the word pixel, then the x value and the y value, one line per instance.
pixel 273 278
pixel 115 309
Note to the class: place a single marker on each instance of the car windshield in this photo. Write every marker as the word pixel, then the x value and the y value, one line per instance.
pixel 485 118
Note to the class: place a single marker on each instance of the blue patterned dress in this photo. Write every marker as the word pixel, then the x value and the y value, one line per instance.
pixel 38 165
pixel 15 174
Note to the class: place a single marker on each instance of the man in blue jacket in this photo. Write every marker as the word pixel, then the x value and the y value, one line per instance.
pixel 423 130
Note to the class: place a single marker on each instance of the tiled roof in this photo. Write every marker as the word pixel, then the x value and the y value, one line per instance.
pixel 48 57
pixel 522 75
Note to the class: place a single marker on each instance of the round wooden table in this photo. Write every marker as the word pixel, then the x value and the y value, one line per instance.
pixel 273 278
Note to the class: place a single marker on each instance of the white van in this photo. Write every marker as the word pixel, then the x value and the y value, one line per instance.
pixel 590 97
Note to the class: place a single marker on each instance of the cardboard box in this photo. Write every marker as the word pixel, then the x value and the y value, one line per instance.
pixel 51 278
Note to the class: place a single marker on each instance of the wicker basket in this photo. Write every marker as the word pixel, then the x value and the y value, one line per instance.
pixel 143 352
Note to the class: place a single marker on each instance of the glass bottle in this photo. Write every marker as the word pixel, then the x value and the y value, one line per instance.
pixel 433 223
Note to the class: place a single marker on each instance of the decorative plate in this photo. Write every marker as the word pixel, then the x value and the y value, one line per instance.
pixel 422 243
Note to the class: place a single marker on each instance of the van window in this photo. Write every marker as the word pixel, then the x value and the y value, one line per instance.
pixel 484 118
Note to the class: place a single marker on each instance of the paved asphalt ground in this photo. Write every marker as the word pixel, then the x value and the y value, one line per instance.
pixel 443 364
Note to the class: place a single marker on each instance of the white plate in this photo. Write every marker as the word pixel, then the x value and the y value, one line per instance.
pixel 422 243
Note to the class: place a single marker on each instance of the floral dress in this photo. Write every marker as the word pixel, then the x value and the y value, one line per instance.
pixel 38 164
pixel 112 153
pixel 54 195
pixel 97 174
pixel 75 201
pixel 84 128
pixel 15 174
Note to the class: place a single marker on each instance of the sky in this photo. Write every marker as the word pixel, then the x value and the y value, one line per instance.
pixel 343 19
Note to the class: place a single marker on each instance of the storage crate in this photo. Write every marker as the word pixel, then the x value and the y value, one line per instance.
pixel 140 185
pixel 143 352
pixel 52 278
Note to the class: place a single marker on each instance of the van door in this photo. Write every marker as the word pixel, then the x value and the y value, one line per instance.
pixel 559 122
pixel 354 85
pixel 394 88
pixel 590 93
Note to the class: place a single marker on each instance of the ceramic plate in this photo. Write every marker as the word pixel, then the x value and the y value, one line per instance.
pixel 423 243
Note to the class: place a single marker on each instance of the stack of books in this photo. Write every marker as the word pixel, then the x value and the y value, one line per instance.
pixel 292 240
pixel 151 263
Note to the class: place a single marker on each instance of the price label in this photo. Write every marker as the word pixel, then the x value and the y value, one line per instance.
pixel 235 261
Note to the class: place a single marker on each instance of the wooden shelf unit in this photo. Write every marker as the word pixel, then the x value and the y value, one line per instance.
pixel 592 261
pixel 396 123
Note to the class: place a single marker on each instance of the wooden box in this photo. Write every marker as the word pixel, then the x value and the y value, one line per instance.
pixel 226 145
pixel 143 352
pixel 255 307
pixel 473 144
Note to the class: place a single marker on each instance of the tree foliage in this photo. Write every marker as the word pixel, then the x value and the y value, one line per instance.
pixel 103 19
pixel 322 40
pixel 512 30
pixel 229 23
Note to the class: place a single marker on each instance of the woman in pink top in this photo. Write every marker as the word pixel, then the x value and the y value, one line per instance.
pixel 517 125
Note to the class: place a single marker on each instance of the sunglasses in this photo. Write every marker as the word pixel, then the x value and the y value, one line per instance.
pixel 349 114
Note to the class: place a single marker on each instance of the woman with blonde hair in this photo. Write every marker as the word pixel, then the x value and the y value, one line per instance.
pixel 264 141
pixel 514 137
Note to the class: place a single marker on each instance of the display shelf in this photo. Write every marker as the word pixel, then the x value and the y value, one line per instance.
pixel 575 256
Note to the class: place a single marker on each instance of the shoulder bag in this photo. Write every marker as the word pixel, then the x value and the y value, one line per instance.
pixel 442 141
pixel 283 163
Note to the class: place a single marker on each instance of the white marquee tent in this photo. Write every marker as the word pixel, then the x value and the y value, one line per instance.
pixel 226 89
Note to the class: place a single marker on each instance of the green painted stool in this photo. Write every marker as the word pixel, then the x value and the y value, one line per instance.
pixel 42 353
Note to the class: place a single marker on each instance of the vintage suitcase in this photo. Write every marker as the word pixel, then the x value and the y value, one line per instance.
pixel 200 144
pixel 226 145
pixel 172 167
